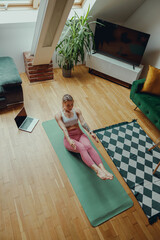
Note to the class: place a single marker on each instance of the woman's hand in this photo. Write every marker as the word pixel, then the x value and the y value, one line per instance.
pixel 72 143
pixel 94 136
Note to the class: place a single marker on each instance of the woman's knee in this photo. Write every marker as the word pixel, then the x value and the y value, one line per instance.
pixel 85 141
pixel 81 148
pixel 88 146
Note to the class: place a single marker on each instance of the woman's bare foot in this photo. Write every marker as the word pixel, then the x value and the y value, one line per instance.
pixel 100 173
pixel 108 175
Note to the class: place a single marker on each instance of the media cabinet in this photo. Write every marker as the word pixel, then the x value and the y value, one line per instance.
pixel 113 69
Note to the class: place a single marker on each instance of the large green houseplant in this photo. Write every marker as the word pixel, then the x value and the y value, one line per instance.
pixel 76 39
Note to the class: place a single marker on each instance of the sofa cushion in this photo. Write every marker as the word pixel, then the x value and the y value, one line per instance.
pixel 9 75
pixel 152 83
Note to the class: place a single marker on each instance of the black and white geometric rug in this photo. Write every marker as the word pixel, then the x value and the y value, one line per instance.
pixel 127 145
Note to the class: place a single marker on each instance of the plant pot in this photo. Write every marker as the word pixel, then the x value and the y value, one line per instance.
pixel 66 73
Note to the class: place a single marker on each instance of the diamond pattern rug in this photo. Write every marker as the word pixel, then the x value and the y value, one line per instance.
pixel 127 145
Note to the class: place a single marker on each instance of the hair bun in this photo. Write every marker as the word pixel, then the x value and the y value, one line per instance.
pixel 67 97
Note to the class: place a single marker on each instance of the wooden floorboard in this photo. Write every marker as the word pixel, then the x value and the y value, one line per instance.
pixel 37 200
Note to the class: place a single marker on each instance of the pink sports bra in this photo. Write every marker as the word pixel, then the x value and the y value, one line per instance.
pixel 68 122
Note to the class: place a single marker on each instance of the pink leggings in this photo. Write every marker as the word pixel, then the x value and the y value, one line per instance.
pixel 83 146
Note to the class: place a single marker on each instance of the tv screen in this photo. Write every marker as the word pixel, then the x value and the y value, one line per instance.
pixel 120 42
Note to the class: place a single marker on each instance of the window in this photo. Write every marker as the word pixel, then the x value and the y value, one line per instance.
pixel 5 4
pixel 78 2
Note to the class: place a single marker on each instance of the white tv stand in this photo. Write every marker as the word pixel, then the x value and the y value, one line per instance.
pixel 117 69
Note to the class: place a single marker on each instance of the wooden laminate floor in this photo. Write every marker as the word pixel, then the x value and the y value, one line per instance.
pixel 37 201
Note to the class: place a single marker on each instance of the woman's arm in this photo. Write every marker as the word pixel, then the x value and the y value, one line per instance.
pixel 85 125
pixel 82 121
pixel 64 129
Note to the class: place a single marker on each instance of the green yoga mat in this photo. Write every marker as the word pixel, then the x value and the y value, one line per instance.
pixel 101 200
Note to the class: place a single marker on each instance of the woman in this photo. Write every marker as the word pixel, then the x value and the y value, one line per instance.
pixel 75 140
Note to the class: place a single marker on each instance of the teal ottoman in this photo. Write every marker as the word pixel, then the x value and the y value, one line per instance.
pixel 10 83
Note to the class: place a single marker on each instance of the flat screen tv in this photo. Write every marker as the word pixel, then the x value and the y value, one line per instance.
pixel 120 42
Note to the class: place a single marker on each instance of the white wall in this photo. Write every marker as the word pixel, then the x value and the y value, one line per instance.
pixel 16 34
pixel 16 39
pixel 147 19
pixel 116 11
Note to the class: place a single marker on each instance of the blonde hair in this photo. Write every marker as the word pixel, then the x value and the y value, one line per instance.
pixel 66 98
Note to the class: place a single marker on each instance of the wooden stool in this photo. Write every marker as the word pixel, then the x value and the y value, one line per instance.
pixel 155 145
pixel 156 168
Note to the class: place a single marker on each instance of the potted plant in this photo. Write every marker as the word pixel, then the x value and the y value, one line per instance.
pixel 76 39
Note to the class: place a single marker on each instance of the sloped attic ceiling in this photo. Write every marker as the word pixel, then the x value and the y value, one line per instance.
pixel 117 11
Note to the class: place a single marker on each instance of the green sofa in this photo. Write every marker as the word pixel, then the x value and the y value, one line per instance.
pixel 149 104
pixel 10 83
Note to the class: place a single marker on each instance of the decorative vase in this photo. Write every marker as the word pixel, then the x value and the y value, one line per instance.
pixel 66 73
